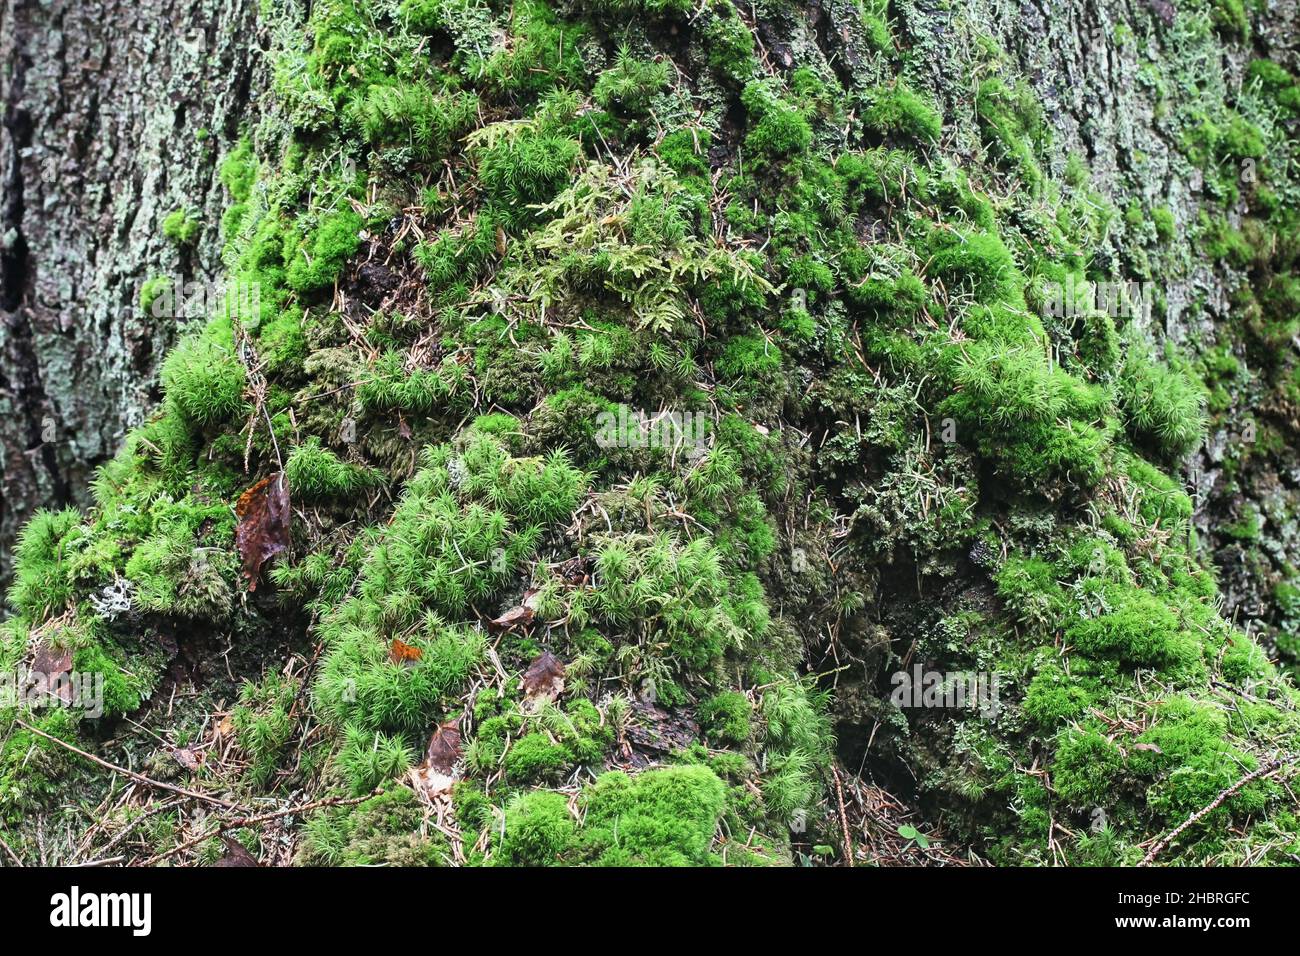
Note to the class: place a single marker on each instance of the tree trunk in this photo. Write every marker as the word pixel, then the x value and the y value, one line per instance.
pixel 115 114
pixel 832 230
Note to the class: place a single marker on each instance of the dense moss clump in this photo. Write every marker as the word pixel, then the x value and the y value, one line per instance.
pixel 647 400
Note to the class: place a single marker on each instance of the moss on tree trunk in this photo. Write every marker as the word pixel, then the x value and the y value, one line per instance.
pixel 689 415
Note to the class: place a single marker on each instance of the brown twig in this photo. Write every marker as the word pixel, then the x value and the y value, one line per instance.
pixel 137 777
pixel 260 818
pixel 1266 770
pixel 9 850
pixel 130 826
pixel 844 817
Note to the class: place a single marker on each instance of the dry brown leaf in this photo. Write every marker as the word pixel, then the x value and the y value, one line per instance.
pixel 515 617
pixel 402 652
pixel 49 665
pixel 444 747
pixel 544 680
pixel 520 616
pixel 224 729
pixel 435 777
pixel 187 757
pixel 235 854
pixel 263 531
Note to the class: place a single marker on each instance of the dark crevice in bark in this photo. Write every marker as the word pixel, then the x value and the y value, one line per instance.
pixel 13 245
pixel 23 384
pixel 831 44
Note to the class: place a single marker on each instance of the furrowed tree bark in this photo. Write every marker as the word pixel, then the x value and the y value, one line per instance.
pixel 115 114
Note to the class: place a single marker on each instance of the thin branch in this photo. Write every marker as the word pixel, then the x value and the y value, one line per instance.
pixel 249 821
pixel 137 777
pixel 1267 770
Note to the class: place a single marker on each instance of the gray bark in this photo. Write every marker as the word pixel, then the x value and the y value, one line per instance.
pixel 115 113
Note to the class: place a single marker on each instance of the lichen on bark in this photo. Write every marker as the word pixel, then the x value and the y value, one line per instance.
pixel 115 116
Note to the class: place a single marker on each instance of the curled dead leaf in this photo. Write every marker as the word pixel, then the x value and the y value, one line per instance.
pixel 188 758
pixel 263 530
pixel 544 680
pixel 517 617
pixel 444 747
pixel 436 775
pixel 49 667
pixel 235 854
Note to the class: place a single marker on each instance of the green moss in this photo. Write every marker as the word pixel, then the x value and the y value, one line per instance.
pixel 900 111
pixel 730 44
pixel 778 131
pixel 1230 18
pixel 491 510
pixel 666 9
pixel 1137 629
pixel 386 830
pixel 1054 697
pixel 262 724
pixel 420 121
pixel 370 758
pixel 533 758
pixel 663 817
pixel 42 585
pixel 679 588
pixel 318 263
pixel 1164 405
pixel 1035 419
pixel 538 830
pixel 1223 146
pixel 1013 125
pixel 595 240
pixel 315 472
pixel 628 87
pixel 393 387
pixel 1244 661
pixel 31 767
pixel 1277 82
pixel 1247 529
pixel 1163 219
pixel 544 51
pixel 979 260
pixel 1031 588
pixel 153 290
pixel 749 357
pixel 530 168
pixel 686 151
pixel 182 227
pixel 1189 763
pixel 204 382
pixel 238 171
pixel 1085 769
pixel 877 32
pixel 726 717
pixel 799 748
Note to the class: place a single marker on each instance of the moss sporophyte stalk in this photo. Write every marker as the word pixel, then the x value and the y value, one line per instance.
pixel 680 415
